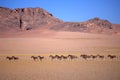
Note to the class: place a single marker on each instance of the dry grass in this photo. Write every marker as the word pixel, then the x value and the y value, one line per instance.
pixel 27 69
pixel 62 43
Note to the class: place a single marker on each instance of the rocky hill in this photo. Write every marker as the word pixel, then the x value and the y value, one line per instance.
pixel 94 25
pixel 23 19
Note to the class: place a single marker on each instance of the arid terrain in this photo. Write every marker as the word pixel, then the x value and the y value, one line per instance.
pixel 27 69
pixel 61 43
pixel 34 45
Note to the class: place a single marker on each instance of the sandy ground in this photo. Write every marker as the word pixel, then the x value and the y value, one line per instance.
pixel 27 69
pixel 60 43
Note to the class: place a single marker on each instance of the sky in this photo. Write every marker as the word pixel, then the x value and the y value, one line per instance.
pixel 72 10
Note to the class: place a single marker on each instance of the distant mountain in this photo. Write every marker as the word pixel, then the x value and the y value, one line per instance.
pixel 22 19
pixel 94 25
pixel 25 19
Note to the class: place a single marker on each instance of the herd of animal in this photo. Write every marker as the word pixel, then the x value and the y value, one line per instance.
pixel 63 57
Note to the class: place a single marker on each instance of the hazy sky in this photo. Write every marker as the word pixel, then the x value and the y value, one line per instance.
pixel 72 10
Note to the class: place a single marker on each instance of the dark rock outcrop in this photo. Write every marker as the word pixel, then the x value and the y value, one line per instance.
pixel 7 22
pixel 99 23
pixel 25 18
pixel 70 26
pixel 94 25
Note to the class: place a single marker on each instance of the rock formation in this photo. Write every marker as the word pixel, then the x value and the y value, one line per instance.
pixel 25 18
pixel 94 25
pixel 22 19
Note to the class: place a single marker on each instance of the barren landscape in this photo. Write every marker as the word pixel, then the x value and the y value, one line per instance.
pixel 34 45
pixel 62 43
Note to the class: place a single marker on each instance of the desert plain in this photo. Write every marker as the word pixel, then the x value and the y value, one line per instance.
pixel 59 43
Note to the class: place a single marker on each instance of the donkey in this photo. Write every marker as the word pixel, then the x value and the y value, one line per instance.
pixel 64 57
pixel 100 56
pixel 52 57
pixel 84 56
pixel 41 57
pixel 93 56
pixel 12 58
pixel 9 58
pixel 15 58
pixel 72 57
pixel 58 57
pixel 111 56
pixel 34 58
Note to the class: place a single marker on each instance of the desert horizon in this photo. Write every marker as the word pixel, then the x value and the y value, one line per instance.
pixel 35 45
pixel 60 44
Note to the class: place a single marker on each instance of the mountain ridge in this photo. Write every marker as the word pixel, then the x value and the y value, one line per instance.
pixel 26 18
pixel 23 19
